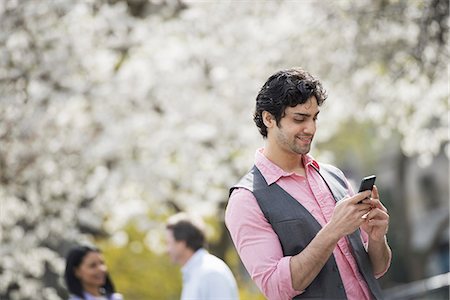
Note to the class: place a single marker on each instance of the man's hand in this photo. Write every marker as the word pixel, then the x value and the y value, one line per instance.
pixel 376 224
pixel 377 220
pixel 347 217
pixel 348 214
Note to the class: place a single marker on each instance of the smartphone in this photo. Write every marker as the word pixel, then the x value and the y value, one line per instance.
pixel 367 184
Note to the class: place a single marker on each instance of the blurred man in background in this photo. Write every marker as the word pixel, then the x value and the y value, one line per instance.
pixel 205 276
pixel 296 223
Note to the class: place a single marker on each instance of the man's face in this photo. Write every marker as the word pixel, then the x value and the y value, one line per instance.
pixel 296 129
pixel 175 249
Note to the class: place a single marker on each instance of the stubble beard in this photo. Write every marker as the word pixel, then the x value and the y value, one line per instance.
pixel 293 145
pixel 301 150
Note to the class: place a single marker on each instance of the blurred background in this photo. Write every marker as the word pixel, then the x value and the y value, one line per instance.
pixel 115 114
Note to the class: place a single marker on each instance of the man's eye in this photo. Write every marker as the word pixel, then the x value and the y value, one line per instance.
pixel 299 120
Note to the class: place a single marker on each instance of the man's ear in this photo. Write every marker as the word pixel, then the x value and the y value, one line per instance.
pixel 268 119
pixel 183 242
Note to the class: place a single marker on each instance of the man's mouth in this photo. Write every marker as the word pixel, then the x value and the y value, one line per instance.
pixel 305 139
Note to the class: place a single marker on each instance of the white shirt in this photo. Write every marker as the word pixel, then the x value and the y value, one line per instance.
pixel 207 277
pixel 88 296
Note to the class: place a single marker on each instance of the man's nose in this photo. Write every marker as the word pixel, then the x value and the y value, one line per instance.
pixel 310 127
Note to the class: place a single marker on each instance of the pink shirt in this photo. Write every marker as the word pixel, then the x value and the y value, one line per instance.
pixel 258 245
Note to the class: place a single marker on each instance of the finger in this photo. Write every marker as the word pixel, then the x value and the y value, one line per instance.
pixel 375 193
pixel 364 216
pixel 377 203
pixel 369 201
pixel 364 210
pixel 376 196
pixel 359 197
pixel 358 210
pixel 378 214
pixel 374 203
pixel 378 223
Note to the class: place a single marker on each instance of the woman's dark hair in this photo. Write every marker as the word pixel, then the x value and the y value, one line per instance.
pixel 73 260
pixel 186 229
pixel 286 88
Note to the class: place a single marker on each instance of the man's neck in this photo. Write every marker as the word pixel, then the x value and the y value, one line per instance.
pixel 188 253
pixel 289 162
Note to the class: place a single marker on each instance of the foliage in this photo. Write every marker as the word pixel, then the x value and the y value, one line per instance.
pixel 138 272
pixel 110 109
pixel 401 80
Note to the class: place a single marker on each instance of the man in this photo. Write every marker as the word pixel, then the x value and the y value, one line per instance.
pixel 294 239
pixel 205 276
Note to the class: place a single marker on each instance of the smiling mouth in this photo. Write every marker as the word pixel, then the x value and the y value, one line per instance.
pixel 305 139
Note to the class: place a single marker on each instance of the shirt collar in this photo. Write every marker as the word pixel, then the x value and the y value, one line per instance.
pixel 193 262
pixel 271 172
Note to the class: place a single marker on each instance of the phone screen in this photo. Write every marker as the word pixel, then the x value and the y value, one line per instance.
pixel 367 183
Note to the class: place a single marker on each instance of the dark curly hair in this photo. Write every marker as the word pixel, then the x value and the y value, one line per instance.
pixel 286 88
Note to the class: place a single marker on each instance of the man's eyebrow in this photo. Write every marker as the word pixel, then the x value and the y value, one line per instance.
pixel 304 114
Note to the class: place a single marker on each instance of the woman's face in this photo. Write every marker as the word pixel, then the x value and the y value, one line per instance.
pixel 92 270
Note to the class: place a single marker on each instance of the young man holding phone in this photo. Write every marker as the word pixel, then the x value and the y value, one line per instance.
pixel 297 225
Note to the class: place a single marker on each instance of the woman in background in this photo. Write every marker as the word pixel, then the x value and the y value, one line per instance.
pixel 86 275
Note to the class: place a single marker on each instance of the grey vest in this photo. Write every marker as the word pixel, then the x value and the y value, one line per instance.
pixel 296 227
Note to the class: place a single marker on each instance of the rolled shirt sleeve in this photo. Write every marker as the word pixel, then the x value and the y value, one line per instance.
pixel 258 246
